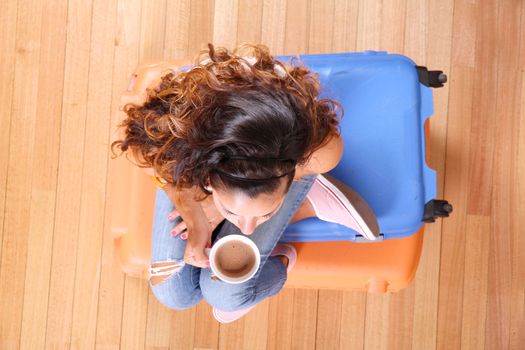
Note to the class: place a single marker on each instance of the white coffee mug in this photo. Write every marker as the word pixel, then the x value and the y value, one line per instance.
pixel 212 254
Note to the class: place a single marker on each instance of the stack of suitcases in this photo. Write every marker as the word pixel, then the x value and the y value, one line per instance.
pixel 387 101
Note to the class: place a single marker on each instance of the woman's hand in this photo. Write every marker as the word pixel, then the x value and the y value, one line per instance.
pixel 198 233
pixel 199 238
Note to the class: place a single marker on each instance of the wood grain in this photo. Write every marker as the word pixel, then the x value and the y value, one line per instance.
pixel 249 24
pixel 329 311
pixel 225 19
pixel 345 25
pixel 256 327
pixel 177 29
pixel 69 195
pixel 505 202
pixel 353 313
pixel 273 25
pixel 94 169
pixel 62 69
pixel 304 319
pixel 280 320
pixel 297 27
pixel 111 290
pixel 18 185
pixel 44 182
pixel 8 20
pixel 321 26
pixel 475 283
pixel 458 140
pixel 201 22
pixel 206 328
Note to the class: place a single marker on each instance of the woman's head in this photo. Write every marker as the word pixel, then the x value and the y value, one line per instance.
pixel 239 122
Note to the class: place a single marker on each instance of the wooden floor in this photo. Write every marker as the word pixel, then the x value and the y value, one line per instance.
pixel 62 67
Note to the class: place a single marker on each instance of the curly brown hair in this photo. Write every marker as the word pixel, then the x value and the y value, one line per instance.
pixel 242 120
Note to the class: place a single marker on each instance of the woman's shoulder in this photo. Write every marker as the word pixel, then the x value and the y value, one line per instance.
pixel 325 158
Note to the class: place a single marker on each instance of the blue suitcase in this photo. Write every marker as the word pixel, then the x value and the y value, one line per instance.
pixel 386 100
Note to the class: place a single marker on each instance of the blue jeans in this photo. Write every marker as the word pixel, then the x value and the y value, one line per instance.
pixel 188 286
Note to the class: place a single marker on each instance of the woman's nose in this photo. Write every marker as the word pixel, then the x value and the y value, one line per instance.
pixel 247 226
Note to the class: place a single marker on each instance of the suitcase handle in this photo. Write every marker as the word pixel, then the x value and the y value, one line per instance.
pixel 429 174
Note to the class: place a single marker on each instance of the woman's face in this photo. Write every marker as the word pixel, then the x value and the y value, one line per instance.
pixel 247 213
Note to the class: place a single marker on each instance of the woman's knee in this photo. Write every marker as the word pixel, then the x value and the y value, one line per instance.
pixel 173 288
pixel 227 297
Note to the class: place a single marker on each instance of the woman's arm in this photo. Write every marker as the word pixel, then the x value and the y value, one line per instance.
pixel 323 159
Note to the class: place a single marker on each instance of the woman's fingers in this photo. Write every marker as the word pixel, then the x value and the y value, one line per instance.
pixel 173 215
pixel 181 229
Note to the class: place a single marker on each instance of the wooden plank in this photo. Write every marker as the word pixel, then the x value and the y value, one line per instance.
pixel 280 320
pixel 206 328
pixel 159 324
pixel 321 28
pixel 111 290
pixel 345 25
pixel 401 319
pixel 152 29
pixel 517 316
pixel 517 313
pixel 483 126
pixel 504 181
pixel 8 20
pixel 304 319
pixel 94 170
pixel 44 182
pixel 134 314
pixel 352 334
pixel 415 35
pixel 72 135
pixel 400 22
pixel 297 27
pixel 426 282
pixel 454 228
pixel 16 223
pixel 456 177
pixel 177 29
pixel 231 335
pixel 256 327
pixel 274 26
pixel 249 21
pixel 377 325
pixel 182 329
pixel 475 284
pixel 225 20
pixel 369 25
pixel 329 312
pixel 201 27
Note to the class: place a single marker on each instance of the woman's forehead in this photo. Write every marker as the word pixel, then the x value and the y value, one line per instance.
pixel 242 205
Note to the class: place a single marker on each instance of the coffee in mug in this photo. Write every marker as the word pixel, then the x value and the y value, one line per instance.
pixel 234 259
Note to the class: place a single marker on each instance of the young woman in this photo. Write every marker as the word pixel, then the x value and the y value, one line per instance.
pixel 239 136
